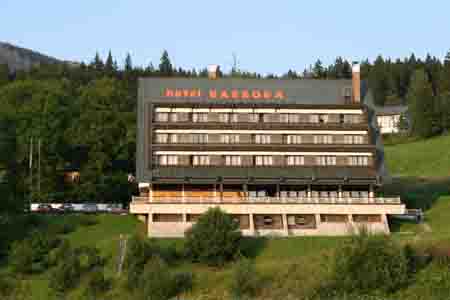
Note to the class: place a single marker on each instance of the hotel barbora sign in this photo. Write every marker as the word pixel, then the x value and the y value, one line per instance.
pixel 233 94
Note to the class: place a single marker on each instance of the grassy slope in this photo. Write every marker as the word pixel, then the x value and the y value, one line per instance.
pixel 428 158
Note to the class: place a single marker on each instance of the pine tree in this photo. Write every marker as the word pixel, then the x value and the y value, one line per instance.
pixel 379 81
pixel 165 67
pixel 421 105
pixel 109 64
pixel 4 74
pixel 98 64
pixel 318 69
pixel 128 63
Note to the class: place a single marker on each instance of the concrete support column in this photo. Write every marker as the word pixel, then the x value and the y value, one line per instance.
pixel 285 225
pixel 340 192
pixel 385 223
pixel 215 191
pixel 182 193
pixel 371 192
pixel 252 225
pixel 308 193
pixel 245 189
pixel 221 192
pixel 318 222
pixel 150 192
pixel 184 217
pixel 149 224
pixel 278 191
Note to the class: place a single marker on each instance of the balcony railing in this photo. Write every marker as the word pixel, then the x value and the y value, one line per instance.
pixel 269 200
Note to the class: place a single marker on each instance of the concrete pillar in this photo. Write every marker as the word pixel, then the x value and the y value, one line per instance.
pixel 150 193
pixel 182 193
pixel 149 224
pixel 278 191
pixel 318 222
pixel 221 192
pixel 308 193
pixel 252 225
pixel 371 192
pixel 285 225
pixel 340 192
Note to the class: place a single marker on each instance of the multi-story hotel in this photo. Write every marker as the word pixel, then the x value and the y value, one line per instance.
pixel 283 157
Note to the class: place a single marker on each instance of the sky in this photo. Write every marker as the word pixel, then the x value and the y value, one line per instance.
pixel 266 36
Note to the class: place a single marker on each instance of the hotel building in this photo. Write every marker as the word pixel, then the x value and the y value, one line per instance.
pixel 283 157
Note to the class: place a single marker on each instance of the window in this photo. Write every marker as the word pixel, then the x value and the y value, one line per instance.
pixel 173 117
pixel 253 118
pixel 161 138
pixel 326 160
pixel 366 218
pixel 229 138
pixel 284 118
pixel 234 118
pixel 352 119
pixel 224 118
pixel 353 139
pixel 358 161
pixel 323 118
pixel 323 139
pixel 295 160
pixel 199 117
pixel 268 220
pixel 333 218
pixel 161 117
pixel 314 119
pixel 232 160
pixel 294 139
pixel 263 160
pixel 200 160
pixel 168 160
pixel 200 138
pixel 173 138
pixel 294 118
pixel 262 139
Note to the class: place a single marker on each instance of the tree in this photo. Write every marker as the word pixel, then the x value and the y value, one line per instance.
pixel 214 239
pixel 128 63
pixel 422 105
pixel 4 74
pixel 110 65
pixel 98 64
pixel 318 69
pixel 379 82
pixel 165 67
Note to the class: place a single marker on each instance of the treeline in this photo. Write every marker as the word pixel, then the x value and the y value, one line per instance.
pixel 83 117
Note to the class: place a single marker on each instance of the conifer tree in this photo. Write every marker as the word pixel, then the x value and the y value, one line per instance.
pixel 110 65
pixel 128 63
pixel 421 105
pixel 318 69
pixel 165 67
pixel 98 64
pixel 4 74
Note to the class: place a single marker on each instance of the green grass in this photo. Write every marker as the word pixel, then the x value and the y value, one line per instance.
pixel 426 158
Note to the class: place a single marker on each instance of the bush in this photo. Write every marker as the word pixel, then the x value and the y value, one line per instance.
pixel 89 258
pixel 183 282
pixel 97 284
pixel 22 257
pixel 58 254
pixel 156 282
pixel 369 263
pixel 6 286
pixel 214 239
pixel 66 274
pixel 244 280
pixel 85 220
pixel 61 228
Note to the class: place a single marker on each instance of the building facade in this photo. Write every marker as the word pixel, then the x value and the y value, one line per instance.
pixel 283 157
pixel 389 116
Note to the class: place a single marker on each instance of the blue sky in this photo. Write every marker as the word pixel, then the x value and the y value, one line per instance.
pixel 267 36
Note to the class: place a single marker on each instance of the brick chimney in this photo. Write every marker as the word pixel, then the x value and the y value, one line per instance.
pixel 213 71
pixel 356 83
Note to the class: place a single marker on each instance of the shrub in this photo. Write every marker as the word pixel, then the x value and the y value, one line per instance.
pixel 85 220
pixel 89 258
pixel 97 284
pixel 58 254
pixel 368 263
pixel 62 228
pixel 439 253
pixel 66 274
pixel 244 280
pixel 214 239
pixel 6 286
pixel 183 282
pixel 156 282
pixel 22 257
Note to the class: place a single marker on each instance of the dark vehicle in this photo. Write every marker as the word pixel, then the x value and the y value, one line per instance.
pixel 67 208
pixel 46 209
pixel 90 208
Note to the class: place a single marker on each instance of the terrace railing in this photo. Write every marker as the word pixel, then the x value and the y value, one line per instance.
pixel 268 200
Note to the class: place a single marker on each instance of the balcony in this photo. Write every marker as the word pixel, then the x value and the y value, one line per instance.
pixel 267 200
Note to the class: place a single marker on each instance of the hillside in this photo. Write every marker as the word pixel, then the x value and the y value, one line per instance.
pixel 425 158
pixel 18 58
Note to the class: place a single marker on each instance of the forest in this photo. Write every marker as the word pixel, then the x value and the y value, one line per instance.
pixel 62 117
